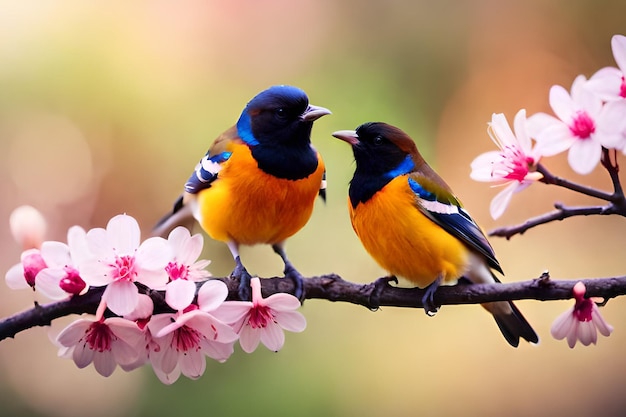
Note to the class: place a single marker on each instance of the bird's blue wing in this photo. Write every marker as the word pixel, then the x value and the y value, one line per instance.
pixel 206 172
pixel 445 210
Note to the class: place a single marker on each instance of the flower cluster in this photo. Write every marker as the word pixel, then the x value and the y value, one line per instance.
pixel 587 119
pixel 133 333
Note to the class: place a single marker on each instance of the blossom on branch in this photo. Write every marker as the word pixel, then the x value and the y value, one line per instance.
pixel 105 342
pixel 120 259
pixel 583 126
pixel 184 270
pixel 263 319
pixel 513 166
pixel 609 83
pixel 581 322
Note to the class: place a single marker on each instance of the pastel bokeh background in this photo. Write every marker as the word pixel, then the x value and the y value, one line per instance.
pixel 105 107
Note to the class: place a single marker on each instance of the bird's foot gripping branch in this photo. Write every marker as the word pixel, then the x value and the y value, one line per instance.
pixel 152 302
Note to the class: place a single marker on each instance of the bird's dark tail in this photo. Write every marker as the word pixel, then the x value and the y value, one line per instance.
pixel 512 324
pixel 181 215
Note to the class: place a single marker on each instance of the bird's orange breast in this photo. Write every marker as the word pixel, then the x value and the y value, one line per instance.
pixel 250 206
pixel 403 240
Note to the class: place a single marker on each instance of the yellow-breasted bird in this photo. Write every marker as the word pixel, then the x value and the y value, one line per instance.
pixel 410 222
pixel 258 182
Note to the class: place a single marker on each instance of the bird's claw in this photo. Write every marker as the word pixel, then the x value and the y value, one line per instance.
pixel 428 300
pixel 379 286
pixel 241 274
pixel 298 281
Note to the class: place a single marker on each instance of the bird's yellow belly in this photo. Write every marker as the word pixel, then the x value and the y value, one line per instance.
pixel 250 207
pixel 405 242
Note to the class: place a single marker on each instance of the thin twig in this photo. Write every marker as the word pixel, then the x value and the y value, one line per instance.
pixel 561 212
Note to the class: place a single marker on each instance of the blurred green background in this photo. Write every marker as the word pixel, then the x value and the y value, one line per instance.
pixel 105 107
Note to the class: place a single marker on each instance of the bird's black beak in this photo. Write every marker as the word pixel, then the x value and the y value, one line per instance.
pixel 312 113
pixel 349 136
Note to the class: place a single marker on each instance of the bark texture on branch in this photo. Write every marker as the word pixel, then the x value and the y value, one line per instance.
pixel 332 287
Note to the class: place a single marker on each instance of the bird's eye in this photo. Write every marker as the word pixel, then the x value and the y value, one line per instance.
pixel 378 140
pixel 281 113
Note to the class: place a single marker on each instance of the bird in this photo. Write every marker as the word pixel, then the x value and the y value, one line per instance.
pixel 258 182
pixel 410 222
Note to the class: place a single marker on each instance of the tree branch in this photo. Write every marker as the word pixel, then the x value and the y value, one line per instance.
pixel 562 212
pixel 333 288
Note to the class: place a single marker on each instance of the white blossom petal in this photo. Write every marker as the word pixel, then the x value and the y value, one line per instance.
pixel 212 294
pixel 584 156
pixel 124 234
pixel 121 297
pixel 47 283
pixel 618 44
pixel 180 293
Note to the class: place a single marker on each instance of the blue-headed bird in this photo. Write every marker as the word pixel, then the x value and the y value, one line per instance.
pixel 410 222
pixel 258 182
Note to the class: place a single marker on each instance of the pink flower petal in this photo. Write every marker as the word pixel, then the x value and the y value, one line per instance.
pixel 604 328
pixel 211 295
pixel 169 359
pixel 273 337
pixel 561 103
pixel 218 351
pixel 104 362
pixel 587 333
pixel 98 243
pixel 193 364
pixel 96 273
pixel 15 278
pixel 144 309
pixel 56 254
pixel 187 248
pixel 501 201
pixel 121 297
pixel 584 156
pixel 47 283
pixel 249 338
pixel 180 293
pixel 154 253
pixel 618 44
pixel 77 242
pixel 71 334
pixel 232 311
pixel 554 139
pixel 291 321
pixel 606 83
pixel 123 234
pixel 82 355
pixel 212 329
pixel 282 302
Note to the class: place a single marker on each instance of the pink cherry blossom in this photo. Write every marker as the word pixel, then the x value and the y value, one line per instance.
pixel 119 260
pixel 22 275
pixel 609 83
pixel 105 342
pixel 262 319
pixel 513 166
pixel 583 126
pixel 184 339
pixel 581 322
pixel 52 270
pixel 184 269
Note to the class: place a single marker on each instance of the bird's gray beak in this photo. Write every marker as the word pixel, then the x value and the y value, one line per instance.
pixel 313 113
pixel 349 136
